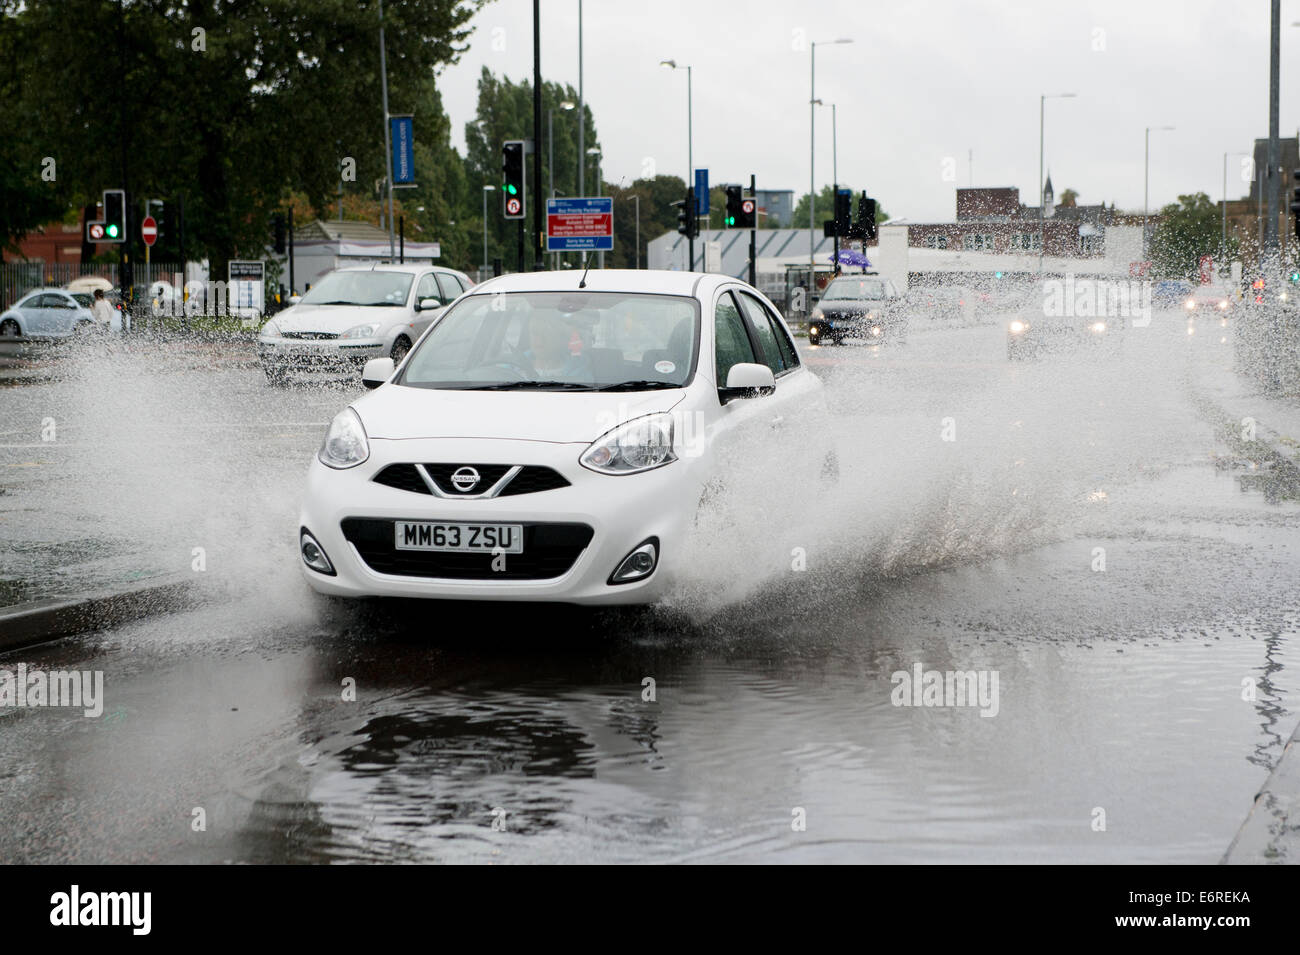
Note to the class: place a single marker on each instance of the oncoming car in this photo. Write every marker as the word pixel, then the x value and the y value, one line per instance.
pixel 551 439
pixel 355 314
pixel 1047 324
pixel 858 306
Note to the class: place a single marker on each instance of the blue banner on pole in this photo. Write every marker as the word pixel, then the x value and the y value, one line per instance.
pixel 403 138
pixel 702 192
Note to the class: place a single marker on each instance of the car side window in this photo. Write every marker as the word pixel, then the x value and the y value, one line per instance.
pixel 767 342
pixel 450 288
pixel 730 341
pixel 428 287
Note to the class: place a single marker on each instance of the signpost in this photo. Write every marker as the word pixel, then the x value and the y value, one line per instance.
pixel 149 231
pixel 246 290
pixel 580 225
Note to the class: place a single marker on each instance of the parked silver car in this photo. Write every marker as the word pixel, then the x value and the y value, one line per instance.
pixel 355 314
pixel 48 313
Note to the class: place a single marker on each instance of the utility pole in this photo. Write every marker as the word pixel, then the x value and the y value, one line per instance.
pixel 539 260
pixel 388 148
pixel 291 282
pixel 1274 160
pixel 753 229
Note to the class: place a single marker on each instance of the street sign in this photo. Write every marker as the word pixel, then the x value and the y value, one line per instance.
pixel 403 140
pixel 701 192
pixel 747 207
pixel 513 206
pixel 580 225
pixel 246 288
pixel 96 231
pixel 149 230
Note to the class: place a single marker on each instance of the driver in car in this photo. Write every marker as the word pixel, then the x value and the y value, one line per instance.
pixel 551 350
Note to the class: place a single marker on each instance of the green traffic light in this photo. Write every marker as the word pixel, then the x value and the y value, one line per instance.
pixel 731 220
pixel 510 189
pixel 111 230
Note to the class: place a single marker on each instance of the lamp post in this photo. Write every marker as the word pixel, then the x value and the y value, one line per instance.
pixel 595 152
pixel 835 174
pixel 1042 113
pixel 486 190
pixel 1223 238
pixel 690 155
pixel 1146 184
pixel 812 154
pixel 582 112
pixel 550 159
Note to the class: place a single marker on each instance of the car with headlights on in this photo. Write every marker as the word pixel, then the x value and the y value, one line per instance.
pixel 858 306
pixel 355 314
pixel 1048 322
pixel 551 438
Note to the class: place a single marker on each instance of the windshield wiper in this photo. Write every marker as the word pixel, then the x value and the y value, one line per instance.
pixel 539 385
pixel 356 304
pixel 641 384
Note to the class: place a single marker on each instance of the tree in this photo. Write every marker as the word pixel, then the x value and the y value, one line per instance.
pixel 825 209
pixel 1187 230
pixel 1069 198
pixel 658 215
pixel 232 104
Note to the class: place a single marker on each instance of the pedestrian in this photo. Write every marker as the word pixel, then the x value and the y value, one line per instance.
pixel 101 309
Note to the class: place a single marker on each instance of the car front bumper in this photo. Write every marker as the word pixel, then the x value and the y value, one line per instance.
pixel 621 511
pixel 331 353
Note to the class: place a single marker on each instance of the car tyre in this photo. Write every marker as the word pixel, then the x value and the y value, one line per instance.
pixel 9 328
pixel 400 348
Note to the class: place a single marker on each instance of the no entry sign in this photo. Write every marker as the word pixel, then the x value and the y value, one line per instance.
pixel 580 225
pixel 149 230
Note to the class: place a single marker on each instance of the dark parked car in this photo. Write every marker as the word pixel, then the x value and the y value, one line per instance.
pixel 858 306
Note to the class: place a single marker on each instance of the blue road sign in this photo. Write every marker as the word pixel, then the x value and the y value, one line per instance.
pixel 580 225
pixel 403 138
pixel 702 192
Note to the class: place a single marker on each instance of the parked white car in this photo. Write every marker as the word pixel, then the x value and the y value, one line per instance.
pixel 355 314
pixel 50 313
pixel 550 439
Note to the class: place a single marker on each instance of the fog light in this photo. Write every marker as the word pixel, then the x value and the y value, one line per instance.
pixel 639 564
pixel 313 555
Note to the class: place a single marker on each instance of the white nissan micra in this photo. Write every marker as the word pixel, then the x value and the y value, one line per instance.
pixel 551 436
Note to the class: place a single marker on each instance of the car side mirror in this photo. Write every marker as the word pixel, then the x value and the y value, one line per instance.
pixel 426 304
pixel 748 380
pixel 377 371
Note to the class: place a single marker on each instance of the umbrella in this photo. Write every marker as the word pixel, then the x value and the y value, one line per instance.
pixel 852 257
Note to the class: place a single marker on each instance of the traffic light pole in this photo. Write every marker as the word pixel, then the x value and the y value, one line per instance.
pixel 291 283
pixel 692 223
pixel 539 260
pixel 753 235
pixel 521 245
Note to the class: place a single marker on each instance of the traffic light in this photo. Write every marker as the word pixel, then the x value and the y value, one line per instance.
pixel 735 200
pixel 114 215
pixel 748 212
pixel 277 227
pixel 512 179
pixel 686 215
pixel 1295 201
pixel 866 217
pixel 843 212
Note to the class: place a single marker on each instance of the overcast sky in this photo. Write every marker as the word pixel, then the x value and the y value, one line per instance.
pixel 922 85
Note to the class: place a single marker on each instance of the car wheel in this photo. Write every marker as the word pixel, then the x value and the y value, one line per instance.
pixel 400 348
pixel 9 328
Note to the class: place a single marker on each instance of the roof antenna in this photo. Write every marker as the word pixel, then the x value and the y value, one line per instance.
pixel 583 282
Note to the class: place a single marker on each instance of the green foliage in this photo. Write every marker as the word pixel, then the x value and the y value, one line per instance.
pixel 657 216
pixel 1188 229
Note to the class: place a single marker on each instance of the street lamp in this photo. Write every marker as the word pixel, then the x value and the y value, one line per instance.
pixel 690 155
pixel 486 190
pixel 1223 238
pixel 1146 184
pixel 595 151
pixel 835 176
pixel 812 153
pixel 1042 111
pixel 550 147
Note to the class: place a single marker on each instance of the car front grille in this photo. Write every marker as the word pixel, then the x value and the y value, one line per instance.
pixel 530 479
pixel 550 550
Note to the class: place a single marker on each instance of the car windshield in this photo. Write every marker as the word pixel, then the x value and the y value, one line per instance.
pixel 854 290
pixel 559 341
pixel 360 288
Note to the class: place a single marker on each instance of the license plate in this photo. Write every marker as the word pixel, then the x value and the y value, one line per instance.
pixel 459 538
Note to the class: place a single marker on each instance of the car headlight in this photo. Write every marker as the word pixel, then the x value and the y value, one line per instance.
pixel 345 444
pixel 367 330
pixel 1191 304
pixel 270 330
pixel 817 314
pixel 1017 327
pixel 637 445
pixel 1098 326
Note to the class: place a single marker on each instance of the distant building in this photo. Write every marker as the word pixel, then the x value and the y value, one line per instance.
pixel 331 244
pixel 775 208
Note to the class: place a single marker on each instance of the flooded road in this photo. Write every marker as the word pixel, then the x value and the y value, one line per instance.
pixel 1139 702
